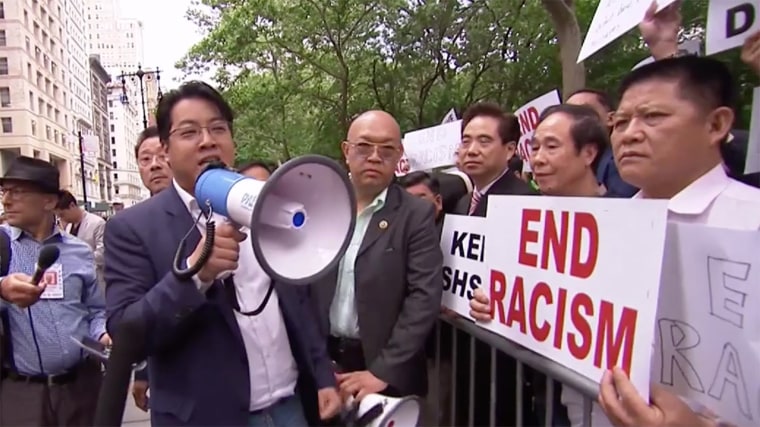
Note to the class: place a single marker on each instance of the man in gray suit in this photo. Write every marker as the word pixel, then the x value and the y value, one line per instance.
pixel 84 225
pixel 380 303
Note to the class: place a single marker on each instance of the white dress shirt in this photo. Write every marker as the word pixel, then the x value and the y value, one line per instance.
pixel 271 366
pixel 713 199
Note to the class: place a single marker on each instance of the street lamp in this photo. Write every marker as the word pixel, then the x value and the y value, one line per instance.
pixel 139 75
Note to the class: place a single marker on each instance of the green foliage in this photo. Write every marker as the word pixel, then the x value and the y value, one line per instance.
pixel 296 71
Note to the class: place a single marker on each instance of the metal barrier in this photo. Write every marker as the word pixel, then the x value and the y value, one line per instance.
pixel 530 369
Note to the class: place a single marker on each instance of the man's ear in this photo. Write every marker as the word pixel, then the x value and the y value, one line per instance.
pixel 719 123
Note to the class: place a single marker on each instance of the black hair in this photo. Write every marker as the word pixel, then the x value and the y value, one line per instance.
pixel 509 125
pixel 190 90
pixel 602 97
pixel 705 81
pixel 66 200
pixel 586 129
pixel 421 177
pixel 254 164
pixel 147 133
pixel 515 164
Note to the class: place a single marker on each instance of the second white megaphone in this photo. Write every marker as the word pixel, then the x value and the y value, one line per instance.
pixel 377 410
pixel 301 219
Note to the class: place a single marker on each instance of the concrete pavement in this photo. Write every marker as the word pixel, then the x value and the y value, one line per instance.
pixel 133 416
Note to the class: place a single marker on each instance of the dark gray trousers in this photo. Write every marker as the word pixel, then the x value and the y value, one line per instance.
pixel 34 404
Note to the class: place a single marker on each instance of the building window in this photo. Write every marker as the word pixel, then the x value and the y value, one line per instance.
pixel 34 128
pixel 5 96
pixel 113 140
pixel 7 125
pixel 113 152
pixel 114 165
pixel 3 39
pixel 115 175
pixel 4 66
pixel 48 132
pixel 2 10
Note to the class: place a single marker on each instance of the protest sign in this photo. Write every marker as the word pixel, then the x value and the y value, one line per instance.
pixel 707 345
pixel 528 116
pixel 752 165
pixel 464 270
pixel 451 116
pixel 729 23
pixel 562 282
pixel 402 167
pixel 433 147
pixel 612 19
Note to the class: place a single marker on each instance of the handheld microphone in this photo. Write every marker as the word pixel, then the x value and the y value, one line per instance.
pixel 48 256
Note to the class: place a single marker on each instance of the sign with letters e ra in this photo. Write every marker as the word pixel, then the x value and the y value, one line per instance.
pixel 707 346
pixel 567 281
pixel 463 244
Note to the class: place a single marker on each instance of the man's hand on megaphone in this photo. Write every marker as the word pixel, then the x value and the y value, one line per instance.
pixel 224 254
pixel 360 384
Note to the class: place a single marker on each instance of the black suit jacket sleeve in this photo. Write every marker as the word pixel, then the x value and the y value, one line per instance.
pixel 422 304
pixel 131 295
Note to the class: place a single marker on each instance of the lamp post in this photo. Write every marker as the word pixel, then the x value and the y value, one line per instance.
pixel 81 166
pixel 140 74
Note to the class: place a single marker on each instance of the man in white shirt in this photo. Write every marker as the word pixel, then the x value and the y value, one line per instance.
pixel 673 116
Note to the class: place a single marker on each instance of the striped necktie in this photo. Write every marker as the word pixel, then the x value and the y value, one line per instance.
pixel 474 202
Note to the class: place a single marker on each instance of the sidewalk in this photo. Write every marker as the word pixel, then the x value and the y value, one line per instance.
pixel 134 417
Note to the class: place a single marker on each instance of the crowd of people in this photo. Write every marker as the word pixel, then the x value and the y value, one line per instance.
pixel 230 346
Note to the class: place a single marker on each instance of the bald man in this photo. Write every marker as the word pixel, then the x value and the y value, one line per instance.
pixel 380 303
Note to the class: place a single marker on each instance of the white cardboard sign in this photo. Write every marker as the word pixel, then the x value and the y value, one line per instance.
pixel 464 269
pixel 561 280
pixel 729 23
pixel 612 19
pixel 752 165
pixel 528 117
pixel 707 346
pixel 433 147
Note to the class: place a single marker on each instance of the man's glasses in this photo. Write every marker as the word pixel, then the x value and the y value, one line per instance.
pixel 365 149
pixel 194 133
pixel 146 160
pixel 15 193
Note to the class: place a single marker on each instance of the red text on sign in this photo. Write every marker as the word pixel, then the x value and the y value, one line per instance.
pixel 558 232
pixel 594 328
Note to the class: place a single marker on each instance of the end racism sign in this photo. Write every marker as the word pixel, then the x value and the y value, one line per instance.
pixel 560 278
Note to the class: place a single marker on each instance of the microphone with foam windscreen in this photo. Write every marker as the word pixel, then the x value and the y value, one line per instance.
pixel 48 256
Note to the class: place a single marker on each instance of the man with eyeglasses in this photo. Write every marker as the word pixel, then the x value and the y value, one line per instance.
pixel 151 161
pixel 380 303
pixel 45 377
pixel 232 350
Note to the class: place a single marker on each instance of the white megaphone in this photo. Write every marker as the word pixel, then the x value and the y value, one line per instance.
pixel 377 410
pixel 301 219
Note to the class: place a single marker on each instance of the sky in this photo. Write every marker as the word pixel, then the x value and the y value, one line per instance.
pixel 167 34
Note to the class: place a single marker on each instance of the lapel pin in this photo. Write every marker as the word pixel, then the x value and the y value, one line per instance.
pixel 383 224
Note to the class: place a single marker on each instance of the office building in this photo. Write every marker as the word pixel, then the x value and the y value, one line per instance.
pixel 34 94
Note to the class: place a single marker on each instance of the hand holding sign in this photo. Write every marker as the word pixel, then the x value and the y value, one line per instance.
pixel 625 408
pixel 751 52
pixel 660 29
pixel 480 306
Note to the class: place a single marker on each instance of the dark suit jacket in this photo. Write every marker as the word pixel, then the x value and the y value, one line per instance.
pixel 398 291
pixel 607 174
pixel 508 184
pixel 198 364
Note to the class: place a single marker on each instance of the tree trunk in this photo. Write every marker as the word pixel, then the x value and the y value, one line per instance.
pixel 562 14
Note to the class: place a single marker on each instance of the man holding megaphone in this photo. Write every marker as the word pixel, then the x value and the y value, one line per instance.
pixel 223 348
